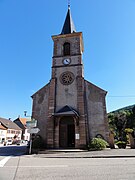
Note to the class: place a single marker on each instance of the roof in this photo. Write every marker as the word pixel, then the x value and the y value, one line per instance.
pixel 98 88
pixel 23 120
pixel 9 124
pixel 2 127
pixel 44 89
pixel 66 111
pixel 68 26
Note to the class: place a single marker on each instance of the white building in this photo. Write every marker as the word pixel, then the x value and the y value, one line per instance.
pixel 21 122
pixel 14 132
pixel 3 133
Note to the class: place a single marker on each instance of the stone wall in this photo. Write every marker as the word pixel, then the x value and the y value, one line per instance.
pixel 96 111
pixel 40 109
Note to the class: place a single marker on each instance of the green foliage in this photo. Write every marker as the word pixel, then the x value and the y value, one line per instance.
pixel 121 144
pixel 37 142
pixel 97 144
pixel 128 130
pixel 122 122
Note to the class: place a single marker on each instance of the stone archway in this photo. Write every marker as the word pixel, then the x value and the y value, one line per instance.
pixel 67 132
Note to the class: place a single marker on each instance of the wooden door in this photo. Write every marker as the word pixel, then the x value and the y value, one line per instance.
pixel 63 135
pixel 67 132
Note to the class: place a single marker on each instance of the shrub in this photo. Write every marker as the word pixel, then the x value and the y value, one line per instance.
pixel 97 144
pixel 128 130
pixel 37 142
pixel 121 144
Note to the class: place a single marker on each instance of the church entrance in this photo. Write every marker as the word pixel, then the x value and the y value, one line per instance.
pixel 67 132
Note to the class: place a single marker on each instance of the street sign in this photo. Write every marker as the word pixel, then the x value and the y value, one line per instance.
pixel 31 124
pixel 33 130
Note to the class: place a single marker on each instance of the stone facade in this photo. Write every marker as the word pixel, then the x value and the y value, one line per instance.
pixel 70 110
pixel 96 111
pixel 40 109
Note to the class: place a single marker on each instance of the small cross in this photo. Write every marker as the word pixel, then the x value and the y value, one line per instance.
pixel 68 3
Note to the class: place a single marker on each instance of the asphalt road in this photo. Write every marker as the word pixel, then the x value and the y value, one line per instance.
pixel 32 167
pixel 13 150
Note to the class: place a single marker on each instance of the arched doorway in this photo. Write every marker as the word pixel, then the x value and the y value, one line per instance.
pixel 67 132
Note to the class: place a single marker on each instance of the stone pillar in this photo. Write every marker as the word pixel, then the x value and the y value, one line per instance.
pixel 56 132
pixel 51 109
pixel 77 141
pixel 81 105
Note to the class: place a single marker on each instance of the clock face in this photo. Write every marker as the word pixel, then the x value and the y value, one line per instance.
pixel 66 61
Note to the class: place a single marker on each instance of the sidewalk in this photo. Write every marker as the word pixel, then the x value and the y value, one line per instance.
pixel 76 153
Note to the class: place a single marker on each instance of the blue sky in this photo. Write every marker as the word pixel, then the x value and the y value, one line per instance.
pixel 26 46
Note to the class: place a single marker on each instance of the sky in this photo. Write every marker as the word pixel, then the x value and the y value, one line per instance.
pixel 26 48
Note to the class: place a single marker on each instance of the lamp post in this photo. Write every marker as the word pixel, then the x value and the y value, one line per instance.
pixel 30 145
pixel 31 125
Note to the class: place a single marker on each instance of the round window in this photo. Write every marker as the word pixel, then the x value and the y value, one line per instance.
pixel 67 78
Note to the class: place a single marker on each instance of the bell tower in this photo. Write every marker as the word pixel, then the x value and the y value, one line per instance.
pixel 68 79
pixel 67 63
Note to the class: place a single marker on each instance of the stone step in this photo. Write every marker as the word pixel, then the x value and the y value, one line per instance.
pixel 48 151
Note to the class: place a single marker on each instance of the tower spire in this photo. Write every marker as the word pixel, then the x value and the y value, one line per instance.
pixel 68 4
pixel 68 26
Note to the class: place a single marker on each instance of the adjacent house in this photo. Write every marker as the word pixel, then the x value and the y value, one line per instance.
pixel 3 133
pixel 13 130
pixel 21 122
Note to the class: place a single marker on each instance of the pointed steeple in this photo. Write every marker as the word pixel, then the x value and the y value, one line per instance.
pixel 68 27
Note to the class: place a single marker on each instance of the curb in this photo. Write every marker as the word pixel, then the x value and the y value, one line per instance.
pixel 80 155
pixel 85 157
pixel 107 153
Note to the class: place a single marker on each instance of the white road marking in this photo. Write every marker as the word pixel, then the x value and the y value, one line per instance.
pixel 51 166
pixel 3 161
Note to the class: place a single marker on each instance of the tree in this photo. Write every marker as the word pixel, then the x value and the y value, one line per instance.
pixel 120 121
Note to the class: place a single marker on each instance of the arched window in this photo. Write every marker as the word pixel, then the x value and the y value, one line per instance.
pixel 66 49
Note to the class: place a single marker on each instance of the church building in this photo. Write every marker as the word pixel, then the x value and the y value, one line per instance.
pixel 70 110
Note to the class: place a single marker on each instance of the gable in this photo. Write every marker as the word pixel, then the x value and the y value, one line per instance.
pixel 2 127
pixel 94 87
pixel 9 124
pixel 43 89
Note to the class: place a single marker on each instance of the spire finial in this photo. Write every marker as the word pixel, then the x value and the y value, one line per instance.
pixel 68 26
pixel 68 4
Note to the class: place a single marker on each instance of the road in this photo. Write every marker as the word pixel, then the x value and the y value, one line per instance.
pixel 35 167
pixel 13 150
